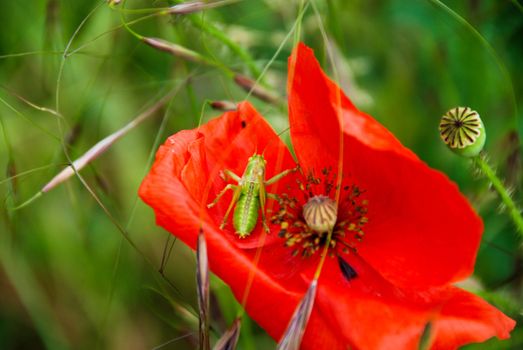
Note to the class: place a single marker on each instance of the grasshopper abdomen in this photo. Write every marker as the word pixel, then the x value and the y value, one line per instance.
pixel 246 213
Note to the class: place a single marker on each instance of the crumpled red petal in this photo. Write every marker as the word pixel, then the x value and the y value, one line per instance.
pixel 421 231
pixel 177 189
pixel 201 155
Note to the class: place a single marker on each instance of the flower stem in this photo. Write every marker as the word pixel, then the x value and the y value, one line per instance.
pixel 323 255
pixel 513 210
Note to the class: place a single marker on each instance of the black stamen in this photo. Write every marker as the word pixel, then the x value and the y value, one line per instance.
pixel 348 271
pixel 244 124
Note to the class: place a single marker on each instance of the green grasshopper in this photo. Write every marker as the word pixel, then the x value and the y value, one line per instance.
pixel 249 195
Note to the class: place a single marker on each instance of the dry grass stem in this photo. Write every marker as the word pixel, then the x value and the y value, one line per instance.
pixel 223 105
pixel 292 336
pixel 100 147
pixel 202 281
pixel 250 86
pixel 229 339
pixel 175 50
pixel 196 6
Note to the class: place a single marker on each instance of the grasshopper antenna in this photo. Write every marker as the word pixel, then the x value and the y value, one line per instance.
pixel 274 139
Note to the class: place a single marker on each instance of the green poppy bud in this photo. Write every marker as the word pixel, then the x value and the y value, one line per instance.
pixel 463 131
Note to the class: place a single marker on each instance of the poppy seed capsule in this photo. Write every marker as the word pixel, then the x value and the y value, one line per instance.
pixel 320 213
pixel 462 131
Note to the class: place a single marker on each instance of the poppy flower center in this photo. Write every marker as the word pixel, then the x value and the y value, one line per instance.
pixel 305 218
pixel 320 213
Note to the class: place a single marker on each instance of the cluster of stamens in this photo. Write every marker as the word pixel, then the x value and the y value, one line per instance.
pixel 305 222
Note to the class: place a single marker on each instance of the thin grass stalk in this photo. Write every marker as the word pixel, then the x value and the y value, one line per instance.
pixel 229 339
pixel 426 337
pixel 223 105
pixel 197 6
pixel 29 120
pixel 176 50
pixel 163 346
pixel 31 104
pixel 202 281
pixel 251 86
pixel 293 335
pixel 499 62
pixel 99 148
pixel 296 25
pixel 225 40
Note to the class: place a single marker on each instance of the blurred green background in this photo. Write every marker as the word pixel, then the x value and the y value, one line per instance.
pixel 69 279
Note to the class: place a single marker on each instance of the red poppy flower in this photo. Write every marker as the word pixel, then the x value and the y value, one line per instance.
pixel 403 232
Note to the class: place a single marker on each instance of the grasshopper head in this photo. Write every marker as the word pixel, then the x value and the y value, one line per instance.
pixel 257 160
pixel 256 164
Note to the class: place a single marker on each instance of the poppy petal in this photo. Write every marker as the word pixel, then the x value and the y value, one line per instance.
pixel 466 318
pixel 421 230
pixel 199 156
pixel 370 313
pixel 173 189
pixel 317 108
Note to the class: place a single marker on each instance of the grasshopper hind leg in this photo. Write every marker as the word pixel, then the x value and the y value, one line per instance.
pixel 220 195
pixel 235 197
pixel 263 200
